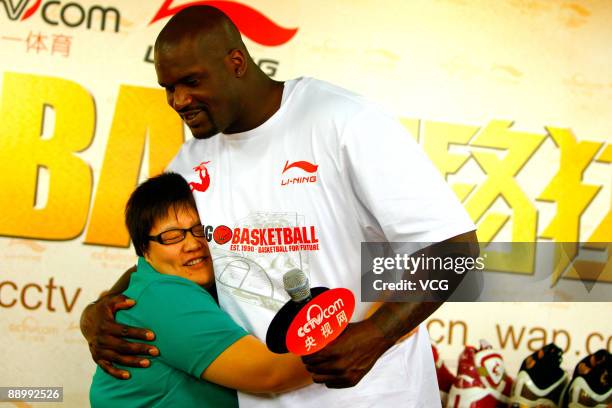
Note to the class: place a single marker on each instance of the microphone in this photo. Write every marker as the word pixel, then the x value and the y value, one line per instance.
pixel 296 284
pixel 311 319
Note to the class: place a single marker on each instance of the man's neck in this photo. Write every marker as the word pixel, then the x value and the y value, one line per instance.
pixel 264 100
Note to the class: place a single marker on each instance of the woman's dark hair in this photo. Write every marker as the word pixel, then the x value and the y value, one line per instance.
pixel 151 201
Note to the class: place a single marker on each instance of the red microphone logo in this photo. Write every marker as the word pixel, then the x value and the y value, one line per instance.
pixel 320 321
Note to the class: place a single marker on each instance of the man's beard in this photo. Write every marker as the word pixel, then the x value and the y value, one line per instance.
pixel 210 133
pixel 206 135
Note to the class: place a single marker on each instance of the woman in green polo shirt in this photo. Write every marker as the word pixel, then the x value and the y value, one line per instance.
pixel 205 355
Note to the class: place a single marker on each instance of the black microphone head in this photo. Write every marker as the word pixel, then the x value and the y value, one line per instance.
pixel 297 285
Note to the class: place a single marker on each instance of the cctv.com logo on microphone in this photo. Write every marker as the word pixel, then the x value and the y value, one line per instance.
pixel 320 321
pixel 315 315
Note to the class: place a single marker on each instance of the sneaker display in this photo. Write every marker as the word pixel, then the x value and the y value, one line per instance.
pixel 591 385
pixel 445 377
pixel 541 380
pixel 481 380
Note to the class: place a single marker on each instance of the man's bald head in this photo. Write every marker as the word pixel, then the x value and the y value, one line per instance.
pixel 209 77
pixel 213 30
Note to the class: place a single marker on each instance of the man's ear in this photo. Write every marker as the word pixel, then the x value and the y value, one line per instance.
pixel 237 62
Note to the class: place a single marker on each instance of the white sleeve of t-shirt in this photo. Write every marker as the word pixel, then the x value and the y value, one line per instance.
pixel 396 182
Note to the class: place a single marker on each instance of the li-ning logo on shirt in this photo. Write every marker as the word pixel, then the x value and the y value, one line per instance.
pixel 304 166
pixel 204 178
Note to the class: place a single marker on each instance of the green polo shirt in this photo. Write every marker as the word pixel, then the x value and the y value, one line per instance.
pixel 191 331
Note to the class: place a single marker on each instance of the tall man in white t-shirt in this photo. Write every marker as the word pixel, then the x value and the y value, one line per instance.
pixel 304 153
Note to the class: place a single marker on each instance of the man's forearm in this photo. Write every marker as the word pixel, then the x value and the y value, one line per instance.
pixel 122 284
pixel 395 319
pixel 117 288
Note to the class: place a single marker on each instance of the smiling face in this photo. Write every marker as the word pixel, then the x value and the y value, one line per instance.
pixel 189 258
pixel 198 85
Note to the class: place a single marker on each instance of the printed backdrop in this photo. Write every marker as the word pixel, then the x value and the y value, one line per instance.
pixel 511 100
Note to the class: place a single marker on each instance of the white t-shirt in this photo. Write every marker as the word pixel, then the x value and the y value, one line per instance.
pixel 327 171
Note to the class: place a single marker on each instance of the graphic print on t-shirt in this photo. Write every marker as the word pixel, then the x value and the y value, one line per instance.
pixel 204 178
pixel 305 172
pixel 256 277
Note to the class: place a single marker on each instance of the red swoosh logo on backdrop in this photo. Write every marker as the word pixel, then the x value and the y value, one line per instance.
pixel 252 23
pixel 304 165
pixel 31 10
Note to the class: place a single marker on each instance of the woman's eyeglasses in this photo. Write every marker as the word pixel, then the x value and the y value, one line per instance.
pixel 176 235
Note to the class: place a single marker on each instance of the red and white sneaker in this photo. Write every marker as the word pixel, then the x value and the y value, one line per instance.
pixel 481 380
pixel 445 377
